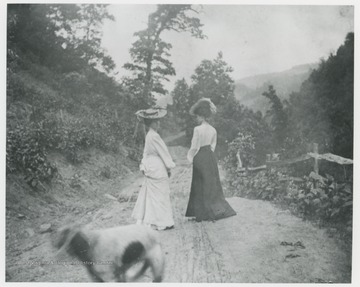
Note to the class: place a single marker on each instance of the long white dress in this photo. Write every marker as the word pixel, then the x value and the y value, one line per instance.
pixel 153 206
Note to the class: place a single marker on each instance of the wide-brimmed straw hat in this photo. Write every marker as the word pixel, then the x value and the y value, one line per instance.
pixel 152 113
pixel 203 103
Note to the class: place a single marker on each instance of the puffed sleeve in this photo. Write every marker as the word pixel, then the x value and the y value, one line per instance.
pixel 195 145
pixel 213 141
pixel 163 151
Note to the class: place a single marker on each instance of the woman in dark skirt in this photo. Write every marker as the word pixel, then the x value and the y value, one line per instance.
pixel 207 201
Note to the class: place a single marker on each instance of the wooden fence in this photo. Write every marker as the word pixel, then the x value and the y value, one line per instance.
pixel 273 160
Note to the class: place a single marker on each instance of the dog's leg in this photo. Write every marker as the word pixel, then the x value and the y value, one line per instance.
pixel 138 273
pixel 120 273
pixel 93 275
pixel 155 258
pixel 80 247
pixel 133 254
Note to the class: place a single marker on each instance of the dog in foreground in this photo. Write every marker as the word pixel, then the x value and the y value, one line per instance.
pixel 111 255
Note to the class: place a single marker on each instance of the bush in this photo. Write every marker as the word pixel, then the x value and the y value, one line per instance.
pixel 25 153
pixel 323 200
pixel 244 146
pixel 328 201
pixel 29 142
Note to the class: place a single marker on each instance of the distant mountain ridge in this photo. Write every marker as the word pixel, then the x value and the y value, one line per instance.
pixel 249 90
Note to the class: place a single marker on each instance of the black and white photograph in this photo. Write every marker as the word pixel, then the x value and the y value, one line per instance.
pixel 179 142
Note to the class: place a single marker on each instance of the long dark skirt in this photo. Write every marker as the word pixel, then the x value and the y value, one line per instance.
pixel 207 201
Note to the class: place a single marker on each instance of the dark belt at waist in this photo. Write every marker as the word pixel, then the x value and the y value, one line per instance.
pixel 205 147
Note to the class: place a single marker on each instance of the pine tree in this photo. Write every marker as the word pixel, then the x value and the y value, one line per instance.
pixel 150 54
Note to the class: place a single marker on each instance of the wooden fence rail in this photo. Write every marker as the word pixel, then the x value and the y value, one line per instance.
pixel 315 155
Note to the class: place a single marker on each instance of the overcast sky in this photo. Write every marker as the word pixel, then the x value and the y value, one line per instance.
pixel 254 39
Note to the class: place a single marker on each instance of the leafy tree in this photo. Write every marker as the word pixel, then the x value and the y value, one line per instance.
pixel 31 32
pixel 278 117
pixel 181 106
pixel 134 93
pixel 232 120
pixel 150 53
pixel 65 37
pixel 212 80
pixel 80 28
pixel 322 111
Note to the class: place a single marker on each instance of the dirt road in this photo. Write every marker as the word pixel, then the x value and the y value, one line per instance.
pixel 261 244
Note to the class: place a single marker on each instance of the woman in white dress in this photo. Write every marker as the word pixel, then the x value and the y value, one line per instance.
pixel 153 206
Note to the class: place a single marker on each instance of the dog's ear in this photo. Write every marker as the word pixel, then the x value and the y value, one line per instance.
pixel 64 237
pixel 79 246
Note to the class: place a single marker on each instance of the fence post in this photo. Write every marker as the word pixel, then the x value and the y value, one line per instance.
pixel 316 152
pixel 239 165
pixel 316 161
pixel 61 115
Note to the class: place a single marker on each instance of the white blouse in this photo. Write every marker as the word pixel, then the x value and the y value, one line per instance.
pixel 156 158
pixel 204 134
